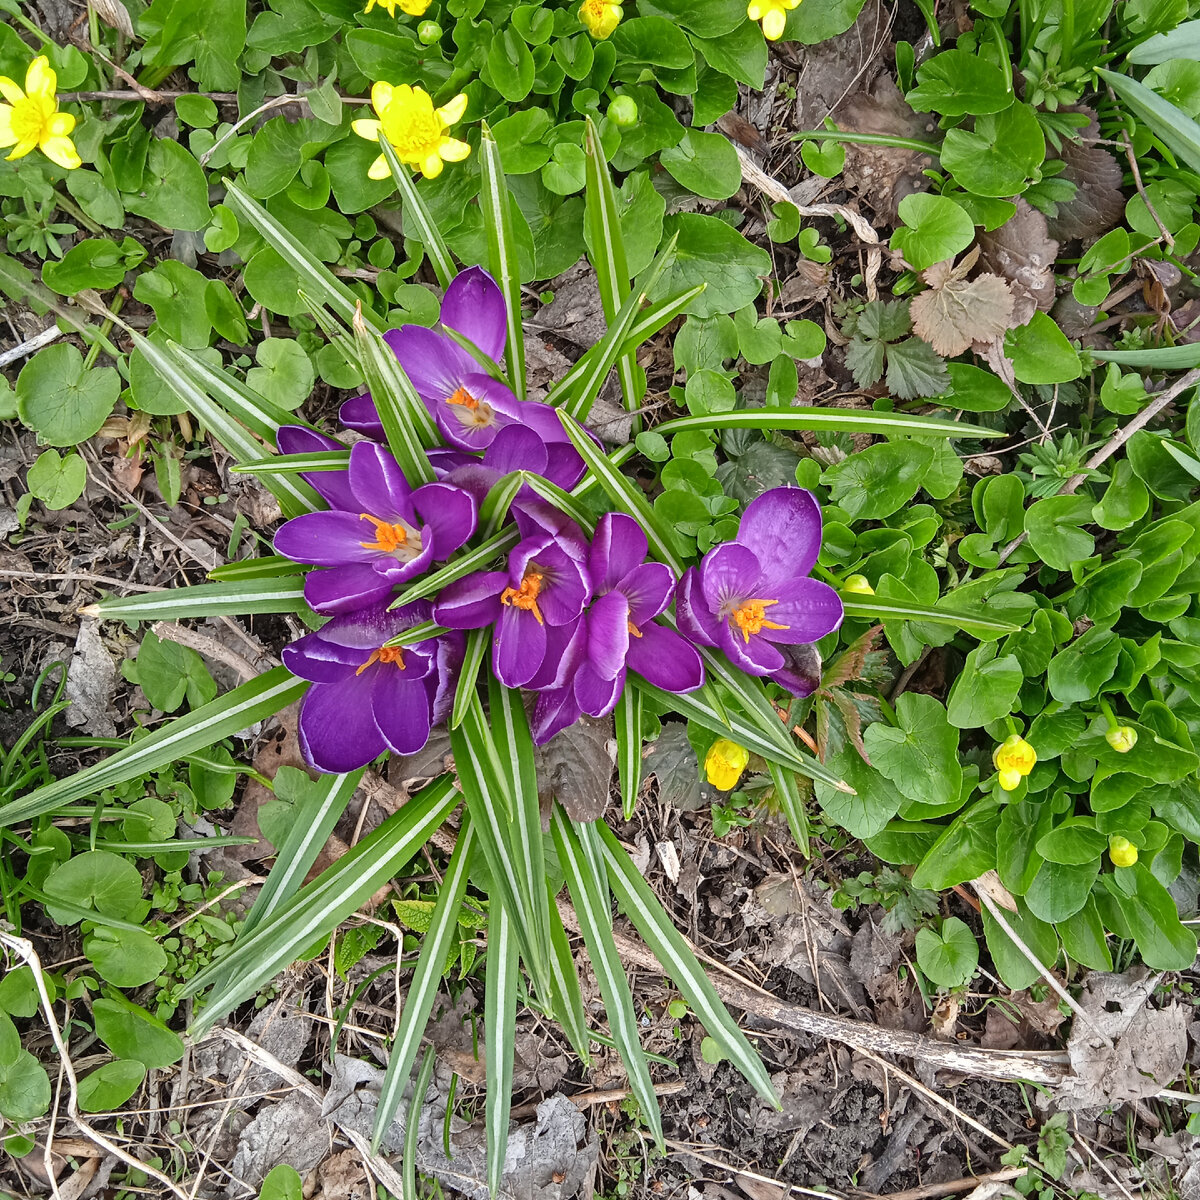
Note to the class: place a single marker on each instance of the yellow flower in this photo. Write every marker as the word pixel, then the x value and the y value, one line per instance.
pixel 31 120
pixel 1122 738
pixel 859 584
pixel 724 763
pixel 415 129
pixel 772 14
pixel 414 8
pixel 602 17
pixel 1014 759
pixel 1122 851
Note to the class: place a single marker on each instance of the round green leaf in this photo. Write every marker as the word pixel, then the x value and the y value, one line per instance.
pixel 108 1087
pixel 96 879
pixel 1053 526
pixel 284 374
pixel 174 191
pixel 956 82
pixel 24 1084
pixel 94 263
pixel 57 398
pixel 950 955
pixel 129 1031
pixel 704 163
pixel 712 253
pixel 935 229
pixel 1040 352
pixel 57 481
pixel 125 957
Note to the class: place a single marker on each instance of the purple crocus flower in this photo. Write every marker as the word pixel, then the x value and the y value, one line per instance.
pixel 382 534
pixel 619 632
pixel 332 486
pixel 367 697
pixel 752 596
pixel 545 586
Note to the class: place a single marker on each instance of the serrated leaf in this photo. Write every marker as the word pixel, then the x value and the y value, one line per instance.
pixel 955 312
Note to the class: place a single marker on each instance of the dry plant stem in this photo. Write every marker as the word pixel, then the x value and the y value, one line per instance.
pixel 1118 439
pixel 34 343
pixel 754 174
pixel 601 1096
pixel 1137 182
pixel 24 950
pixel 951 1186
pixel 1033 960
pixel 787 1189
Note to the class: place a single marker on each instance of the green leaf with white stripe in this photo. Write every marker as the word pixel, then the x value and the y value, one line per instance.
pixel 294 464
pixel 231 598
pixel 642 907
pixel 561 500
pixel 320 906
pixel 595 923
pixel 495 202
pixel 267 566
pixel 493 512
pixel 787 792
pixel 501 990
pixel 236 710
pixel 477 559
pixel 566 995
pixel 427 977
pixel 831 420
pixel 412 1127
pixel 419 222
pixel 238 399
pixel 1174 127
pixel 874 608
pixel 479 642
pixel 417 633
pixel 316 280
pixel 628 720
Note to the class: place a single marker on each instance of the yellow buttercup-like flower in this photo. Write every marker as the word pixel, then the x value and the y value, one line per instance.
pixel 724 763
pixel 30 119
pixel 1122 851
pixel 601 17
pixel 414 8
pixel 415 129
pixel 1014 758
pixel 858 584
pixel 772 14
pixel 1122 738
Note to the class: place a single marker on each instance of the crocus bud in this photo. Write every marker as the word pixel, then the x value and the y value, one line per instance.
pixel 429 32
pixel 1122 851
pixel 724 763
pixel 1014 758
pixel 858 583
pixel 623 112
pixel 1122 738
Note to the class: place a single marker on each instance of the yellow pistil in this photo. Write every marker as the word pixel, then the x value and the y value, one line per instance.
pixel 1014 758
pixel 634 631
pixel 601 17
pixel 526 596
pixel 385 654
pixel 772 14
pixel 416 130
pixel 724 763
pixel 30 119
pixel 750 617
pixel 463 397
pixel 414 8
pixel 475 413
pixel 388 538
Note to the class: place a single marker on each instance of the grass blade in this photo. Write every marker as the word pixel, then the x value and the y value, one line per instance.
pixel 467 563
pixel 1171 125
pixel 500 1026
pixel 494 200
pixel 592 909
pixel 427 978
pixel 233 597
pixel 238 709
pixel 479 642
pixel 628 718
pixel 294 464
pixel 1162 358
pixel 565 992
pixel 874 608
pixel 787 792
pixel 423 226
pixel 831 420
pixel 641 906
pixel 319 907
pixel 267 566
pixel 412 1127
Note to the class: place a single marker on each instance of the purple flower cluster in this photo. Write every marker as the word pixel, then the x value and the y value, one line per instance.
pixel 571 615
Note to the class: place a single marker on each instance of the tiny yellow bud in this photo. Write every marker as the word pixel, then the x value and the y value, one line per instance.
pixel 1014 754
pixel 1122 851
pixel 858 583
pixel 1010 780
pixel 724 763
pixel 1122 739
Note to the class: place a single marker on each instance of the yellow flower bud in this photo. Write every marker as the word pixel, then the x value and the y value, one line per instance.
pixel 1122 738
pixel 1014 754
pixel 601 17
pixel 858 583
pixel 1010 780
pixel 724 763
pixel 1122 851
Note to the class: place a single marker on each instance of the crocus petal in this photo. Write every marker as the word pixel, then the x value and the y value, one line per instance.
pixel 696 621
pixel 661 657
pixel 520 647
pixel 433 363
pixel 396 571
pixel 809 608
pixel 564 465
pixel 597 696
pixel 360 414
pixel 61 151
pixel 801 671
pixel 450 652
pixel 756 656
pixel 337 732
pixel 333 486
pixel 618 545
pixel 783 528
pixel 400 706
pixel 368 628
pixel 326 539
pixel 314 659
pixel 648 589
pixel 536 518
pixel 474 305
pixel 566 651
pixel 345 589
pixel 516 448
pixel 471 602
pixel 729 574
pixel 450 514
pixel 378 483
pixel 555 711
pixel 608 635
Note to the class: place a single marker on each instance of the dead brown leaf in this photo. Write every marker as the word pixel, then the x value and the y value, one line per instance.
pixel 1098 203
pixel 954 312
pixel 1023 253
pixel 575 767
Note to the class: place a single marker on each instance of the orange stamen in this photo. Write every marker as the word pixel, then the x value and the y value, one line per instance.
pixel 463 397
pixel 388 538
pixel 526 596
pixel 385 654
pixel 751 617
pixel 634 631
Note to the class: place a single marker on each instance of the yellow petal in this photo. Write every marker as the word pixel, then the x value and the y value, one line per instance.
pixel 379 169
pixel 403 94
pixel 366 129
pixel 7 137
pixel 381 96
pixel 431 168
pixel 452 113
pixel 22 149
pixel 10 91
pixel 453 150
pixel 40 79
pixel 61 150
pixel 754 10
pixel 791 4
pixel 772 25
pixel 61 124
pixel 414 8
